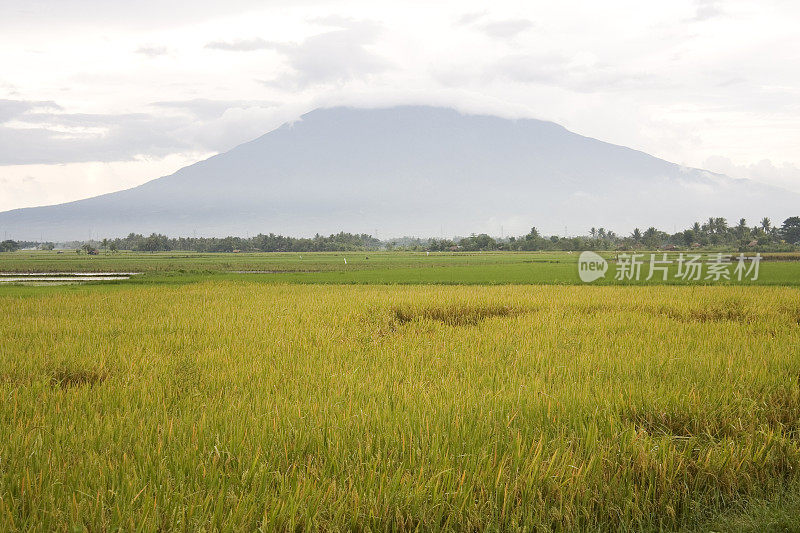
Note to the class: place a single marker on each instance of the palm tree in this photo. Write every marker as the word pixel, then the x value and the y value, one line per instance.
pixel 741 229
pixel 766 223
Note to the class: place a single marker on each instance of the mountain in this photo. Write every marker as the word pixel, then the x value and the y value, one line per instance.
pixel 411 170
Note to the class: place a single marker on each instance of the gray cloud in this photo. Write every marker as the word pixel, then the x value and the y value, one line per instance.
pixel 240 45
pixel 10 109
pixel 152 51
pixel 45 134
pixel 707 9
pixel 335 56
pixel 123 137
pixel 506 29
pixel 469 18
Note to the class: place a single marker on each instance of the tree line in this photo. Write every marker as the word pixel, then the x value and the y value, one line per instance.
pixel 339 242
pixel 713 233
pixel 9 245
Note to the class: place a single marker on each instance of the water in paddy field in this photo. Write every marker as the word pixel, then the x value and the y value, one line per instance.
pixel 61 278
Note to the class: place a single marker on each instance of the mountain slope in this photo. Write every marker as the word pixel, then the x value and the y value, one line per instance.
pixel 410 170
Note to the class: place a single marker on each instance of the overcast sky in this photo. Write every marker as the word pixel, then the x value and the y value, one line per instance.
pixel 97 96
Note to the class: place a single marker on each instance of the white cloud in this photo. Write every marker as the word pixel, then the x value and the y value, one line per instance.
pixel 786 175
pixel 206 109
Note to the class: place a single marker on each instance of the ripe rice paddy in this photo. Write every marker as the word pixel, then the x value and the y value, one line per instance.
pixel 231 403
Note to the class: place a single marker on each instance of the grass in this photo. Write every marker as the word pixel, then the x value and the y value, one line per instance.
pixel 304 262
pixel 369 268
pixel 229 403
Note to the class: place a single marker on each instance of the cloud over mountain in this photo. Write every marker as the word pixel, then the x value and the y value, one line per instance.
pixel 411 170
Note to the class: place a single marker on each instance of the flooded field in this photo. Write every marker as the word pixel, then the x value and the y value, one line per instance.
pixel 61 278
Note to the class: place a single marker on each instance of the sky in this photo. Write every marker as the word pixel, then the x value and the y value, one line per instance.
pixel 98 96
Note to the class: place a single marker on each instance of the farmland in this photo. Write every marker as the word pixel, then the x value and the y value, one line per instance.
pixel 476 268
pixel 396 391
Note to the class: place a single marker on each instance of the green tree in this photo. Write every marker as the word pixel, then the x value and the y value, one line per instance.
pixel 532 241
pixel 742 231
pixel 9 246
pixel 478 242
pixel 790 231
pixel 650 237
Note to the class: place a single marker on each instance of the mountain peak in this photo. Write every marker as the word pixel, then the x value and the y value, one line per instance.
pixel 409 170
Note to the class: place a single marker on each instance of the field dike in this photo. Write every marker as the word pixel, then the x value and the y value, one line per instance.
pixel 237 405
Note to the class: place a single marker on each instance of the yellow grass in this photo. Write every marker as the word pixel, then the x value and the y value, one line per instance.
pixel 227 405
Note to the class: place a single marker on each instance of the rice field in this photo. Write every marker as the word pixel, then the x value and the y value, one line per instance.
pixel 231 405
pixel 374 268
